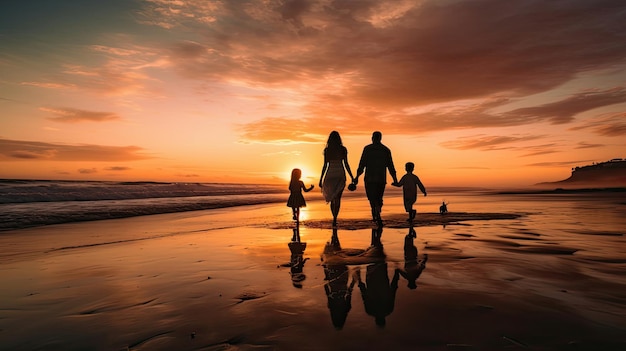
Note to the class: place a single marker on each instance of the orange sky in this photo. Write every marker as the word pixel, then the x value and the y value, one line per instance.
pixel 476 93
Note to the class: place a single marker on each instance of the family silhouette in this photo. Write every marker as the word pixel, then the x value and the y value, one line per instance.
pixel 375 162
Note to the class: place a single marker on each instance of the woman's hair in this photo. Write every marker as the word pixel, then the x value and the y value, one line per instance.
pixel 334 146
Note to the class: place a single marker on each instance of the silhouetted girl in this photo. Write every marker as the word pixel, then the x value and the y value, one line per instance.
pixel 296 200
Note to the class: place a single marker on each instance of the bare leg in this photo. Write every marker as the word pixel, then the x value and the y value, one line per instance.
pixel 375 211
pixel 335 206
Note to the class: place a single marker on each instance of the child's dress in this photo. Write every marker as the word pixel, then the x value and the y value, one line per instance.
pixel 296 199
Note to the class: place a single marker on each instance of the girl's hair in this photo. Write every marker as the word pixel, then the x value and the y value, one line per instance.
pixel 334 146
pixel 296 173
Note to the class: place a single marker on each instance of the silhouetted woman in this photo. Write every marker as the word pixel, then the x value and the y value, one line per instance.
pixel 333 177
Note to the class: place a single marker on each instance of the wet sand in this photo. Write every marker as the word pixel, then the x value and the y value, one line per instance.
pixel 232 279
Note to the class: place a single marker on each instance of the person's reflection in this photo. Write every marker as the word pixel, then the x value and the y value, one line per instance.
pixel 297 261
pixel 412 266
pixel 377 234
pixel 378 293
pixel 337 286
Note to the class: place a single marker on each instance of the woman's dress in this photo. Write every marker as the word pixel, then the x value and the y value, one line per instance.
pixel 334 181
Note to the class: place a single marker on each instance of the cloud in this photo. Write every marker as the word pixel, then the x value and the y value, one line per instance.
pixel 72 115
pixel 283 153
pixel 458 115
pixel 188 175
pixel 585 145
pixel 33 150
pixel 87 170
pixel 537 150
pixel 120 70
pixel 32 154
pixel 412 53
pixel 117 169
pixel 50 85
pixel 610 124
pixel 558 164
pixel 563 111
pixel 278 130
pixel 487 143
pixel 499 143
pixel 358 63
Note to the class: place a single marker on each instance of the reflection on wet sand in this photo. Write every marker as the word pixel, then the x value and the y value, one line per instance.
pixel 377 291
pixel 413 267
pixel 338 288
pixel 379 295
pixel 297 261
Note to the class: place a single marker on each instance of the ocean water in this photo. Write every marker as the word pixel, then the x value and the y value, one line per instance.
pixel 28 203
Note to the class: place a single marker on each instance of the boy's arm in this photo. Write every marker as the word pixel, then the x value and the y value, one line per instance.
pixel 399 183
pixel 421 186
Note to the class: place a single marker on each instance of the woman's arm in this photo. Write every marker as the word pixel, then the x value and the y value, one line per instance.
pixel 323 169
pixel 345 162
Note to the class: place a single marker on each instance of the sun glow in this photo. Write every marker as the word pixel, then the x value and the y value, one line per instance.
pixel 308 176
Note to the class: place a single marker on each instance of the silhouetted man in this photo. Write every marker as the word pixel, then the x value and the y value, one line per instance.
pixel 376 160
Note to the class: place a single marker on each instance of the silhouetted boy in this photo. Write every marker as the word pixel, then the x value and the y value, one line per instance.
pixel 409 183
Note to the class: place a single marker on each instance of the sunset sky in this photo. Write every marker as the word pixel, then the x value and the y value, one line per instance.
pixel 475 93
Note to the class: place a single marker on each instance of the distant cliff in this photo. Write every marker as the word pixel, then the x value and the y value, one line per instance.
pixel 598 175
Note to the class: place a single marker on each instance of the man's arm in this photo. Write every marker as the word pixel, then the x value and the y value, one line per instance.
pixel 390 166
pixel 362 163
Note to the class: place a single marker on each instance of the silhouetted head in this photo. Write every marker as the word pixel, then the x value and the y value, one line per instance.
pixel 412 284
pixel 334 139
pixel 410 166
pixel 377 137
pixel 334 145
pixel 296 174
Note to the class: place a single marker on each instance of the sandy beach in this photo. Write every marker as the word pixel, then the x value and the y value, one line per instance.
pixel 229 279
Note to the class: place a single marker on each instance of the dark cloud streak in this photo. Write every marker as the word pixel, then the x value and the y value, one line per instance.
pixel 33 150
pixel 72 115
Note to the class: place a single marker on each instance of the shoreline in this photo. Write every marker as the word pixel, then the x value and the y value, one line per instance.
pixel 563 191
pixel 400 221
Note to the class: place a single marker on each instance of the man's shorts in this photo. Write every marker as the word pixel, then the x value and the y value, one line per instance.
pixel 374 192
